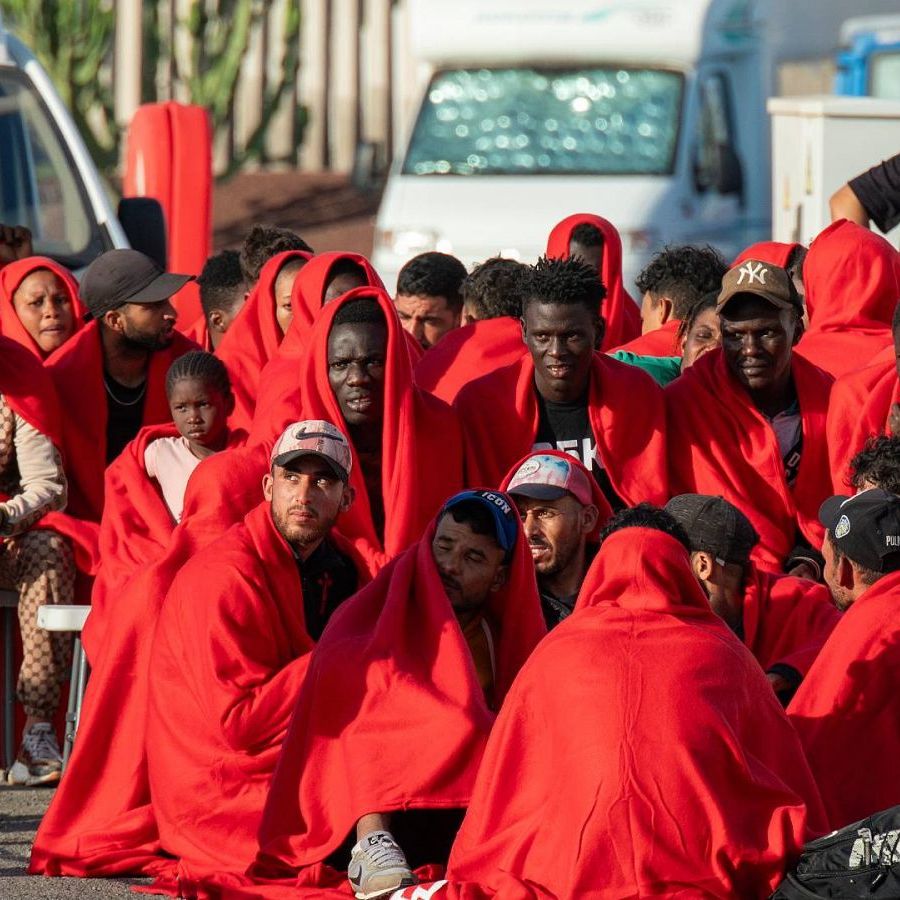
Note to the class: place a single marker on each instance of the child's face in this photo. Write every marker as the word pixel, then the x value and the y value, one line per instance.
pixel 200 412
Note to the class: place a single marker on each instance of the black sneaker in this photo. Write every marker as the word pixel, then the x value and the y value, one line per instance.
pixel 39 760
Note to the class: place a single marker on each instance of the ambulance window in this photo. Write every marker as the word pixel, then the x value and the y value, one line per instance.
pixel 38 180
pixel 884 78
pixel 715 131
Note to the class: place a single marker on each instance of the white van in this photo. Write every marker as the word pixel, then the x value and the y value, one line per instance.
pixel 48 181
pixel 651 114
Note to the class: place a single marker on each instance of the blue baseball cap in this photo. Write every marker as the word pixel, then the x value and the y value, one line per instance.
pixel 503 514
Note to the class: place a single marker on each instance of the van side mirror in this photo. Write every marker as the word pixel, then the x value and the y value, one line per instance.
pixel 144 223
pixel 368 166
pixel 729 177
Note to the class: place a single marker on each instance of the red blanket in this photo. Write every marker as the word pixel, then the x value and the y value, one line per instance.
pixel 852 280
pixel 860 407
pixel 100 822
pixel 659 342
pixel 11 276
pixel 671 778
pixel 134 531
pixel 211 752
pixel 843 709
pixel 620 312
pixel 393 689
pixel 720 444
pixel 468 353
pixel 775 252
pixel 77 372
pixel 421 442
pixel 786 619
pixel 499 415
pixel 253 338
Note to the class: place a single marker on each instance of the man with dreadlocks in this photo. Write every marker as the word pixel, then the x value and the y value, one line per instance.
pixel 562 395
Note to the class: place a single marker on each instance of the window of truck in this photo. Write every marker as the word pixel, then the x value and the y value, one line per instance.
pixel 517 121
pixel 884 78
pixel 39 187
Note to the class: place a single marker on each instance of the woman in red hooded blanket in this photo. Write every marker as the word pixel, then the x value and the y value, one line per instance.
pixel 640 752
pixel 563 395
pixel 406 444
pixel 258 329
pixel 401 694
pixel 747 422
pixel 597 242
pixel 39 304
pixel 324 278
pixel 852 279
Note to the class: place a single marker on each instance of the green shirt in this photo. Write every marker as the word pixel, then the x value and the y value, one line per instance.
pixel 662 369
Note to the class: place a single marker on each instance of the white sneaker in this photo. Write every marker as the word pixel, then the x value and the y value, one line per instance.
pixel 39 760
pixel 378 867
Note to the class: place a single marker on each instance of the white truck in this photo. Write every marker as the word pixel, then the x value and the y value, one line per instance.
pixel 649 113
pixel 48 181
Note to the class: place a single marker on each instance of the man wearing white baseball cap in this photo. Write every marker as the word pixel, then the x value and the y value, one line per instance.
pixel 232 648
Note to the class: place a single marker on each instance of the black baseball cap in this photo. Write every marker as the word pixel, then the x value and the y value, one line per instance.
pixel 865 528
pixel 125 276
pixel 715 526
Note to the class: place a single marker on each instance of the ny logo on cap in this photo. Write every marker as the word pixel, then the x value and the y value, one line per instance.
pixel 754 272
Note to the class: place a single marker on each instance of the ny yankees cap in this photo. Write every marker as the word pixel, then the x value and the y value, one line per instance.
pixel 544 476
pixel 865 528
pixel 753 276
pixel 715 526
pixel 503 515
pixel 314 437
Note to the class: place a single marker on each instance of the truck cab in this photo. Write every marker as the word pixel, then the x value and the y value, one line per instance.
pixel 48 181
pixel 868 63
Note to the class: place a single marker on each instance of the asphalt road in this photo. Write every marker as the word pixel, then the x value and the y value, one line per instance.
pixel 20 812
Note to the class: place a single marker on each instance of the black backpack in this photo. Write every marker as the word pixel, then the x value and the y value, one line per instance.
pixel 861 860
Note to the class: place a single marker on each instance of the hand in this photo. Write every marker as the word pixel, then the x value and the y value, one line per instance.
pixel 15 243
pixel 803 568
pixel 894 420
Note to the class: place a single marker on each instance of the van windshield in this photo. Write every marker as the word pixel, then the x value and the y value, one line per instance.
pixel 609 121
pixel 38 183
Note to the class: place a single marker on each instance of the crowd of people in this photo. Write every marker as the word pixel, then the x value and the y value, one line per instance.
pixel 507 585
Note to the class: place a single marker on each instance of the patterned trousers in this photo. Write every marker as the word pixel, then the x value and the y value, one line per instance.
pixel 41 567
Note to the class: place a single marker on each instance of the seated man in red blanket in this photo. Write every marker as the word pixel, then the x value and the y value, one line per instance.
pixel 845 712
pixel 747 422
pixel 223 292
pixel 783 620
pixel 429 299
pixel 640 752
pixel 232 645
pixel 413 668
pixel 562 509
pixel 563 395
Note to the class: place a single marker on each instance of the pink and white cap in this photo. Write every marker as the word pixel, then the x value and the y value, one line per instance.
pixel 544 476
pixel 313 437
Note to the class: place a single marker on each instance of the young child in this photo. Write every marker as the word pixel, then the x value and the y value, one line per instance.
pixel 200 398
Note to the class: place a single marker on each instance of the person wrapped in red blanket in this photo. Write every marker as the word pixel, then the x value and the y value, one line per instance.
pixel 596 242
pixel 111 376
pixel 843 711
pixel 640 751
pixel 852 279
pixel 782 620
pixel 223 292
pixel 145 486
pixel 401 694
pixel 260 597
pixel 39 304
pixel 864 403
pixel 747 422
pixel 406 444
pixel 563 395
pixel 491 336
pixel 671 283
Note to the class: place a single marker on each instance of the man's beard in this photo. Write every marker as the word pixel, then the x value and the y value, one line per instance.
pixel 300 536
pixel 146 343
pixel 560 561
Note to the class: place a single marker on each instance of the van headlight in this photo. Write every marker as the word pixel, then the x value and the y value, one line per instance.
pixel 406 242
